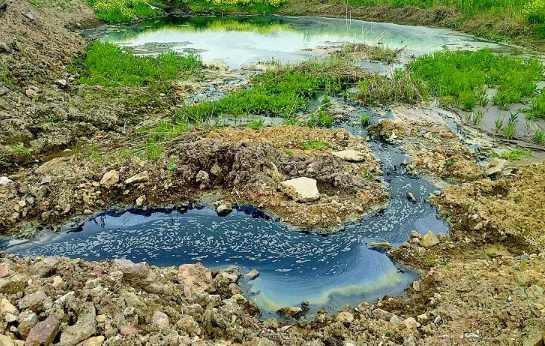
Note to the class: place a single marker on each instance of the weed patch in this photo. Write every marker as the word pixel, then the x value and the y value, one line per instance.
pixel 515 154
pixel 461 78
pixel 283 91
pixel 109 65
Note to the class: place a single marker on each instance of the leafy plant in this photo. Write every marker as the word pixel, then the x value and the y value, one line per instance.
pixel 365 120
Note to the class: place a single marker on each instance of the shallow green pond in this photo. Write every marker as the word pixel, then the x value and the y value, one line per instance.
pixel 242 40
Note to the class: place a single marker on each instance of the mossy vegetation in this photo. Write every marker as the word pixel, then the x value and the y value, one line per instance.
pixel 108 65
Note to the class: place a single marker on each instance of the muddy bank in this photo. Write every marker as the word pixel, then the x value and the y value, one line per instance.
pixel 436 16
pixel 240 165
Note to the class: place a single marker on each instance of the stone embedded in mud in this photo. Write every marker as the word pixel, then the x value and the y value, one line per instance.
pixel 109 178
pixel 224 209
pixel 128 330
pixel 84 328
pixel 350 155
pixel 495 167
pixel 44 267
pixel 94 341
pixel 140 201
pixel 384 246
pixel 26 320
pixel 5 181
pixel 202 178
pixel 194 278
pixel 345 317
pixel 43 333
pixel 301 189
pixel 6 341
pixel 139 178
pixel 4 271
pixel 382 314
pixel 292 312
pixel 7 308
pixel 251 275
pixel 32 301
pixel 411 198
pixel 132 271
pixel 160 319
pixel 429 240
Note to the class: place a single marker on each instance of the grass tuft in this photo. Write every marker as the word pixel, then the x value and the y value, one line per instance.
pixel 109 65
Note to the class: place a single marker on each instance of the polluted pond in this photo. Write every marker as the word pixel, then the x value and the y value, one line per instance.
pixel 329 270
pixel 243 40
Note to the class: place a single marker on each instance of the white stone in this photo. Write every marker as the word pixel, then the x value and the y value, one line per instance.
pixel 429 240
pixel 495 166
pixel 350 155
pixel 139 178
pixel 5 181
pixel 110 178
pixel 301 189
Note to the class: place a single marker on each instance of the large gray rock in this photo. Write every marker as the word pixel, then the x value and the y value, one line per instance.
pixel 44 268
pixel 495 167
pixel 43 333
pixel 160 319
pixel 301 189
pixel 292 312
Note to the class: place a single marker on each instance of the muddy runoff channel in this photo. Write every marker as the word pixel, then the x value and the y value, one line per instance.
pixel 328 270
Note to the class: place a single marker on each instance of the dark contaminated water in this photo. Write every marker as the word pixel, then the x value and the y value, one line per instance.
pixel 244 40
pixel 330 271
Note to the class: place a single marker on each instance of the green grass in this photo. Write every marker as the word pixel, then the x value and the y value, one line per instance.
pixel 537 107
pixel 315 145
pixel 365 120
pixel 229 6
pixel 279 92
pixel 4 77
pixel 124 10
pixel 36 3
pixel 539 137
pixel 402 87
pixel 515 154
pixel 515 13
pixel 461 78
pixel 109 65
pixel 257 124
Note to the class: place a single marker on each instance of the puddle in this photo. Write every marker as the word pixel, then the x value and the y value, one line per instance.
pixel 244 40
